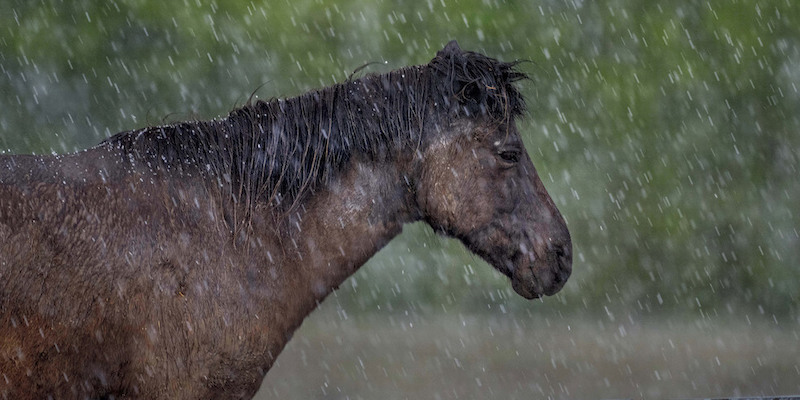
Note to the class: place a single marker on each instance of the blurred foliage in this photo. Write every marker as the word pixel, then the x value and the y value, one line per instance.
pixel 666 132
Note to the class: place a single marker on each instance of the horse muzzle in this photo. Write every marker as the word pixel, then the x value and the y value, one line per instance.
pixel 545 275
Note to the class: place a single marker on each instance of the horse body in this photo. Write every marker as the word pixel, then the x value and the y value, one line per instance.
pixel 141 269
pixel 158 296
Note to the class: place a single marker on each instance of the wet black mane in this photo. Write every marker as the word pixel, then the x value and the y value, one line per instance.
pixel 276 151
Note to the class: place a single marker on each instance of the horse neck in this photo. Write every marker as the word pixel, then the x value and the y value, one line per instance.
pixel 341 226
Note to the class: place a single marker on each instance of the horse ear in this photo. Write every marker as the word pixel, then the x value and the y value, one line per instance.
pixel 450 48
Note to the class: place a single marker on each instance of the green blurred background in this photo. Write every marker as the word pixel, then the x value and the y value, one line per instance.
pixel 666 132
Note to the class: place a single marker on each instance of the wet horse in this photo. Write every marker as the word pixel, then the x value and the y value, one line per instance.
pixel 175 261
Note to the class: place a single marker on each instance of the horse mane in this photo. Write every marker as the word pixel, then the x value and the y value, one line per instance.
pixel 275 152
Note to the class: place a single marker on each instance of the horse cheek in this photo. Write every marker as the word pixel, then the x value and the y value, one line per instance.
pixel 442 206
pixel 449 204
pixel 478 200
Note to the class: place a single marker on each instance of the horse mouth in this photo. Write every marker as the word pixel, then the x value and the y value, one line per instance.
pixel 533 286
pixel 526 290
pixel 534 278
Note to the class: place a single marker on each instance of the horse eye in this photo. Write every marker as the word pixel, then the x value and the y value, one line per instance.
pixel 510 156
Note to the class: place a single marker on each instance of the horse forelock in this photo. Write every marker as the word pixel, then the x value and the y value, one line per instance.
pixel 501 99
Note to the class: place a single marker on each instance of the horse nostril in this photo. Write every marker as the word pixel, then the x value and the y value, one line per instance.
pixel 562 253
pixel 565 255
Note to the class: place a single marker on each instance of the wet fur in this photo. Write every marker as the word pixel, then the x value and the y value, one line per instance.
pixel 176 261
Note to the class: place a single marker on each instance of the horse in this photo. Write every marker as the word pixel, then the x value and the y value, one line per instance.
pixel 175 261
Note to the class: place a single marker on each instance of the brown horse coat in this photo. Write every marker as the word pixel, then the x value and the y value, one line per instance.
pixel 176 261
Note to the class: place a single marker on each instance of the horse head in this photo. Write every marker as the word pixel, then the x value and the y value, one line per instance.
pixel 477 182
